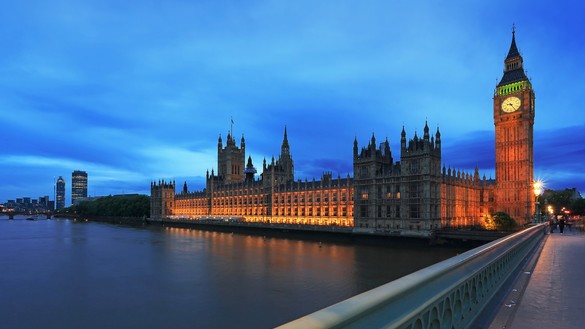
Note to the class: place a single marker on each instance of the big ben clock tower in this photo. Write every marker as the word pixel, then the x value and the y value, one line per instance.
pixel 514 122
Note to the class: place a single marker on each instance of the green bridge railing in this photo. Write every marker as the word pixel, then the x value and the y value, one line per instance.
pixel 449 294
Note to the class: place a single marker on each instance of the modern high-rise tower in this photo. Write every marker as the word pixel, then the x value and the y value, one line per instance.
pixel 78 185
pixel 514 122
pixel 60 193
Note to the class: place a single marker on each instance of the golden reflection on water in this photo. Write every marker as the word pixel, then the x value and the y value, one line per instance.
pixel 278 253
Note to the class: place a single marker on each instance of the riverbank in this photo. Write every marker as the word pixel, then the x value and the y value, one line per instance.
pixel 303 232
pixel 465 238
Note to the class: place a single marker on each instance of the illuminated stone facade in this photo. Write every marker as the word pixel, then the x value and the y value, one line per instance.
pixel 416 194
pixel 274 198
pixel 514 110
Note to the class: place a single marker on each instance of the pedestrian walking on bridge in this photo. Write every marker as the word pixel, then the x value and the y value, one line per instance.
pixel 562 225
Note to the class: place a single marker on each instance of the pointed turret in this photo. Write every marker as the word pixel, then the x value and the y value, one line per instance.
pixel 355 147
pixel 426 132
pixel 387 151
pixel 285 149
pixel 250 171
pixel 513 67
pixel 231 141
pixel 513 52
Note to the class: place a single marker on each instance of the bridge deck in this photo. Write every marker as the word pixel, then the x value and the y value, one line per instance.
pixel 554 296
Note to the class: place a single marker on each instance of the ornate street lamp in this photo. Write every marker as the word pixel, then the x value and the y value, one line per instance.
pixel 537 192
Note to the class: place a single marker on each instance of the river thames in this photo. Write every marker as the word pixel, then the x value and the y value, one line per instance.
pixel 68 274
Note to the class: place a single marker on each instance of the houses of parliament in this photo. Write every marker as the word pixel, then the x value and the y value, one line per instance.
pixel 406 192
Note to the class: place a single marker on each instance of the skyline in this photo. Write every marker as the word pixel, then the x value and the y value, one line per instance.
pixel 133 93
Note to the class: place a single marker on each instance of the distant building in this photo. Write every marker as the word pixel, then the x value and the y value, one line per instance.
pixel 60 193
pixel 26 205
pixel 44 201
pixel 78 185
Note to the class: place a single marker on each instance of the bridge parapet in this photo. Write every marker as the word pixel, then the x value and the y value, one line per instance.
pixel 449 294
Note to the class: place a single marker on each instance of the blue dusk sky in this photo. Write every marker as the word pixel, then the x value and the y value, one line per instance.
pixel 135 91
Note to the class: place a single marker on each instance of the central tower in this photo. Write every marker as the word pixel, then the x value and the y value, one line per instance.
pixel 514 122
pixel 231 160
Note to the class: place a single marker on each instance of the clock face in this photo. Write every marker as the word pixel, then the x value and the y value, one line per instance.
pixel 511 104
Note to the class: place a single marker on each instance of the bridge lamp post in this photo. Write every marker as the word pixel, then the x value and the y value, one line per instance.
pixel 537 192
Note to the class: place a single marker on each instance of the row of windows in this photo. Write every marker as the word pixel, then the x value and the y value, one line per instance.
pixel 262 211
pixel 308 221
pixel 397 226
pixel 414 211
pixel 512 66
pixel 414 192
pixel 288 197
pixel 263 190
pixel 259 200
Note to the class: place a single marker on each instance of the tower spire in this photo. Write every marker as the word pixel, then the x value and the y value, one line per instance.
pixel 513 52
pixel 285 140
pixel 513 64
pixel 285 148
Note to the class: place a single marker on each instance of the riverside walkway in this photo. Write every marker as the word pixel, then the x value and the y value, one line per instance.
pixel 549 292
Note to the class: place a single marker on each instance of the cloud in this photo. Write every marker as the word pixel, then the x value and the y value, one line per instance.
pixel 134 91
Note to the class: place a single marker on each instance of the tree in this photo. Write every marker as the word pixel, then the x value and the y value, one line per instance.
pixel 568 199
pixel 578 207
pixel 503 222
pixel 115 206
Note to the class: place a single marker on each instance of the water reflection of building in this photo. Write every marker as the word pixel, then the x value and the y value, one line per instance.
pixel 416 193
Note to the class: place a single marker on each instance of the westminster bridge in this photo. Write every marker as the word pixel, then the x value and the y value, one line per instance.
pixel 529 279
